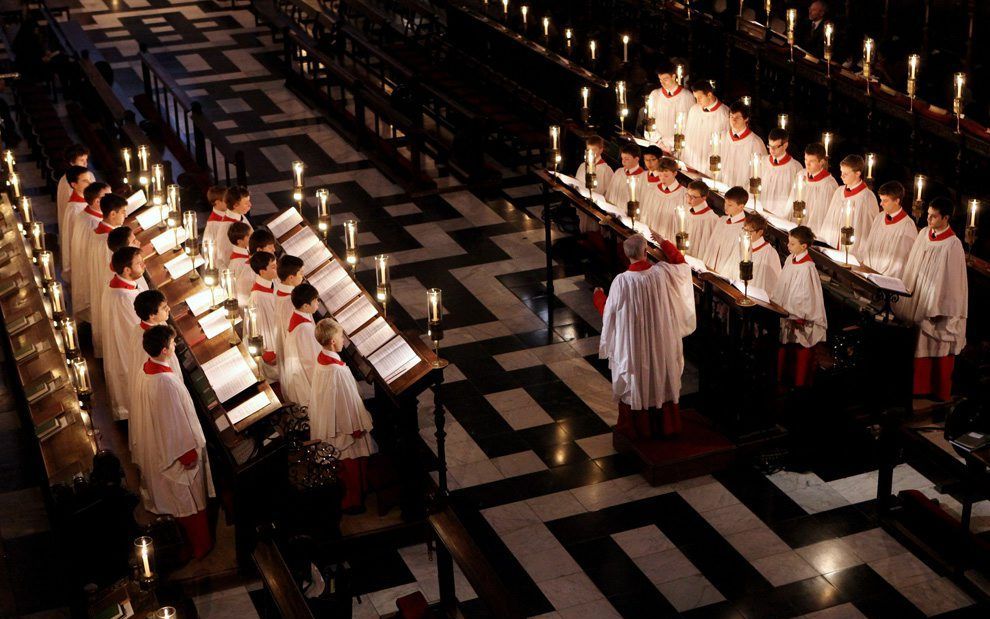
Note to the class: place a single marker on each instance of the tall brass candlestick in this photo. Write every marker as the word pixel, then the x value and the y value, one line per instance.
pixel 914 60
pixel 745 266
pixel 715 159
pixel 683 241
pixel 799 206
pixel 632 206
pixel 829 33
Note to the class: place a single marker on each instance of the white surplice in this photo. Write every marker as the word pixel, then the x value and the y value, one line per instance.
pixel 935 274
pixel 890 242
pixel 63 194
pixel 799 291
pixel 722 253
pixel 701 124
pixel 766 266
pixel 214 227
pixel 700 223
pixel 223 244
pixel 84 221
pixel 299 357
pixel 776 181
pixel 618 188
pixel 647 314
pixel 262 298
pixel 657 206
pixel 336 410
pixel 95 258
pixel 818 192
pixel 737 156
pixel 603 178
pixel 864 210
pixel 119 320
pixel 244 276
pixel 664 107
pixel 165 428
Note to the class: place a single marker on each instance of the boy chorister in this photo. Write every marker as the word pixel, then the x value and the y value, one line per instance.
pixel 216 196
pixel 603 173
pixel 700 219
pixel 722 253
pixel 618 188
pixel 290 275
pixel 337 414
pixel 739 144
pixel 799 291
pixel 85 221
pixel 78 178
pixel 76 155
pixel 118 316
pixel 260 240
pixel 892 235
pixel 301 348
pixel 766 262
pixel 238 202
pixel 707 116
pixel 262 298
pixel 152 309
pixel 170 449
pixel 818 187
pixel 855 196
pixel 936 275
pixel 116 238
pixel 668 101
pixel 658 200
pixel 93 258
pixel 777 174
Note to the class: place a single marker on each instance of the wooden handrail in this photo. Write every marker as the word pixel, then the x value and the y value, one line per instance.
pixel 279 581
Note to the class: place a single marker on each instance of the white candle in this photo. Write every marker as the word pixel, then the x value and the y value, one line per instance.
pixel 27 212
pixel 143 157
pixel 791 24
pixel 8 156
pixel 800 186
pixel 620 92
pixel 631 181
pixel 974 205
pixel 754 164
pixel 871 161
pixel 525 13
pixel 625 48
pixel 681 212
pixel 505 7
pixel 919 187
pixel 679 73
pixel 434 305
pixel 568 34
pixel 15 184
pixel 381 277
pixel 594 47
pixel 848 210
pixel 350 240
pixel 546 26
pixel 297 173
pixel 589 160
pixel 745 247
pixel 679 123
pixel 126 154
pixel 827 142
pixel 585 93
pixel 867 51
pixel 747 100
pixel 959 79
pixel 554 137
pixel 716 142
pixel 913 61
pixel 782 121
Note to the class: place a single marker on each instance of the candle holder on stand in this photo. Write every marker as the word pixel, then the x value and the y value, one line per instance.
pixel 715 159
pixel 230 304
pixel 918 205
pixel 755 182
pixel 847 236
pixel 70 339
pixel 912 82
pixel 590 178
pixel 254 338
pixel 434 322
pixel 746 275
pixel 144 563
pixel 799 211
pixel 350 244
pixel 383 285
pixel 974 206
pixel 56 296
pixel 81 382
pixel 827 52
pixel 323 223
pixel 585 106
pixel 682 239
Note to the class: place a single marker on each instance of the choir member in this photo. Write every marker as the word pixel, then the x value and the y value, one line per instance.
pixel 618 187
pixel 238 202
pixel 856 196
pixel 651 162
pixel 77 156
pixel 658 200
pixel 169 446
pixel 118 320
pixel 290 275
pixel 216 196
pixel 707 116
pixel 668 101
pixel 799 291
pixel 84 221
pixel 262 298
pixel 722 253
pixel 739 145
pixel 766 262
pixel 649 310
pixel 93 260
pixel 819 187
pixel 78 178
pixel 700 219
pixel 892 235
pixel 337 414
pixel 603 175
pixel 935 274
pixel 259 240
pixel 777 174
pixel 301 348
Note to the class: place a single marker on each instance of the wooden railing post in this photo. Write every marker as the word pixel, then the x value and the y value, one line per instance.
pixel 240 168
pixel 199 140
pixel 145 72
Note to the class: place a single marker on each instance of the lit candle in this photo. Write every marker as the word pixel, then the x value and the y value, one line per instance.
pixel 46 266
pixel 716 143
pixel 594 46
pixel 157 177
pixel 585 93
pixel 143 157
pixel 679 123
pixel 747 100
pixel 191 225
pixel 55 293
pixel 974 205
pixel 381 277
pixel 434 305
pixel 782 121
pixel 15 184
pixel 800 186
pixel 871 161
pixel 791 24
pixel 554 137
pixel 867 51
pixel 589 159
pixel 848 211
pixel 827 138
pixel 8 157
pixel 633 187
pixel 754 165
pixel 165 612
pixel 546 27
pixel 913 61
pixel 829 32
pixel 27 212
pixel 322 201
pixel 126 154
pixel 227 283
pixel 681 211
pixel 70 335
pixel 919 187
pixel 505 7
pixel 209 249
pixel 297 173
pixel 767 6
pixel 959 79
pixel 745 247
pixel 524 9
pixel 83 385
pixel 145 547
pixel 620 92
pixel 350 241
pixel 679 73
pixel 249 318
pixel 625 48
pixel 37 231
pixel 568 34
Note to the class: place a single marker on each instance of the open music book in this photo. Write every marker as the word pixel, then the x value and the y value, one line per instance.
pixel 889 283
pixel 372 337
pixel 839 256
pixel 300 242
pixel 182 264
pixel 249 407
pixel 327 278
pixel 149 217
pixel 339 296
pixel 757 293
pixel 393 359
pixel 199 302
pixel 135 201
pixel 779 223
pixel 229 374
pixel 214 323
pixel 315 256
pixel 354 315
pixel 285 221
pixel 695 264
pixel 168 240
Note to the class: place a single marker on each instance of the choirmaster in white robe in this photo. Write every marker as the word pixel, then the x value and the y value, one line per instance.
pixel 864 210
pixel 119 320
pixel 890 242
pixel 737 156
pixel 701 124
pixel 776 181
pixel 299 357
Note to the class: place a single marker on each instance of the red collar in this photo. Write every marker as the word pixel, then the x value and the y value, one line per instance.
pixel 636 172
pixel 666 190
pixel 118 282
pixel 741 136
pixel 670 95
pixel 296 320
pixel 941 236
pixel 718 104
pixel 817 177
pixel 783 160
pixel 702 211
pixel 760 246
pixel 234 255
pixel 652 179
pixel 75 197
pixel 153 367
pixel 852 192
pixel 599 162
pixel 640 265
pixel 103 228
pixel 807 258
pixel 728 219
pixel 888 220
pixel 325 359
pixel 282 293
pixel 215 216
pixel 260 288
pixel 93 213
pixel 145 326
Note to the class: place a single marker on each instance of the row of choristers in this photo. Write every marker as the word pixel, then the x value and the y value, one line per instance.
pixel 104 267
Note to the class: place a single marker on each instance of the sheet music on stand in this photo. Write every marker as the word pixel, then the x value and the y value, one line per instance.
pixel 300 242
pixel 839 256
pixel 168 240
pixel 888 283
pixel 181 265
pixel 393 359
pixel 214 323
pixel 315 256
pixel 135 201
pixel 353 316
pixel 757 293
pixel 229 374
pixel 285 221
pixel 695 264
pixel 777 222
pixel 326 278
pixel 199 302
pixel 149 217
pixel 373 337
pixel 249 407
pixel 339 296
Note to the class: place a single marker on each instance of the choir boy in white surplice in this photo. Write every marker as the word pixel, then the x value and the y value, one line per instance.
pixel 118 320
pixel 855 196
pixel 259 240
pixel 935 274
pixel 722 253
pixel 618 188
pixel 799 291
pixel 668 101
pixel 707 116
pixel 739 145
pixel 337 415
pixel 85 221
pixel 766 261
pixel 603 177
pixel 119 237
pixel 651 163
pixel 93 261
pixel 262 299
pixel 290 275
pixel 659 199
pixel 818 188
pixel 152 309
pixel 300 348
pixel 216 196
pixel 78 179
pixel 700 219
pixel 238 206
pixel 777 174
pixel 892 236
pixel 170 449
pixel 648 312
pixel 76 155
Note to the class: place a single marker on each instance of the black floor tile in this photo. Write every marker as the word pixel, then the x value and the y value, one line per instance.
pixel 560 454
pixel 583 426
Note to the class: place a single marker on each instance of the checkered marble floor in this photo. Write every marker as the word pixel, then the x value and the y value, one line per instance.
pixel 566 521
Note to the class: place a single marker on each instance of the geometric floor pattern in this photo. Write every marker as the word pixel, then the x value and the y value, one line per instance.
pixel 566 521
